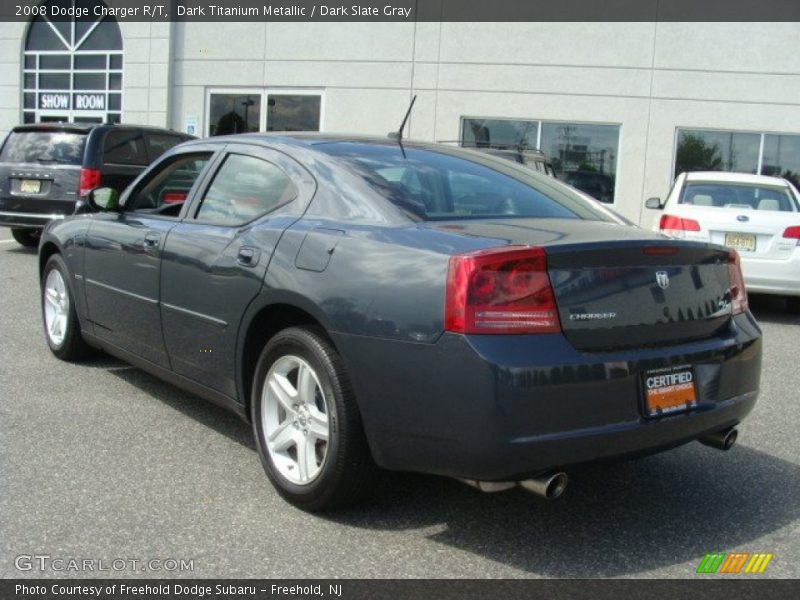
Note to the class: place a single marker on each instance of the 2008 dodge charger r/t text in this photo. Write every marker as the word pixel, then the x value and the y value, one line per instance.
pixel 369 302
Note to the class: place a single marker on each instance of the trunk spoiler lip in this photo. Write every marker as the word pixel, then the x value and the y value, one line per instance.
pixel 644 243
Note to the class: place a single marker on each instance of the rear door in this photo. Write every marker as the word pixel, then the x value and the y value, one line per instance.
pixel 215 260
pixel 123 255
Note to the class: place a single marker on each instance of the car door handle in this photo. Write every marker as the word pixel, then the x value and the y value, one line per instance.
pixel 152 239
pixel 248 256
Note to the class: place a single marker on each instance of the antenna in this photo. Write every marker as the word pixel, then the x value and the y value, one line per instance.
pixel 398 135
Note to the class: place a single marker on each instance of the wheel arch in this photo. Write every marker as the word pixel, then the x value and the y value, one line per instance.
pixel 268 315
pixel 47 250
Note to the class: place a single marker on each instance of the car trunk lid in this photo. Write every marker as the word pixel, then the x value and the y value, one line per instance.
pixel 620 287
pixel 753 233
pixel 615 295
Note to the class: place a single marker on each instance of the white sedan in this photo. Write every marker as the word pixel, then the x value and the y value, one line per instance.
pixel 758 216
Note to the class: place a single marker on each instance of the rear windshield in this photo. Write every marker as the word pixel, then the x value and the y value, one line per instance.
pixel 739 196
pixel 449 184
pixel 44 147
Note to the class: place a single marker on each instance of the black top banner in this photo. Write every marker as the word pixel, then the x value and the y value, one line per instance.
pixel 404 10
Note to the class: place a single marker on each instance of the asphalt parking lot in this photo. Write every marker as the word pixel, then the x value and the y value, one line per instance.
pixel 102 461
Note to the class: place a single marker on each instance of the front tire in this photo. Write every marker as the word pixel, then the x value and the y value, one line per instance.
pixel 27 237
pixel 61 327
pixel 793 304
pixel 306 423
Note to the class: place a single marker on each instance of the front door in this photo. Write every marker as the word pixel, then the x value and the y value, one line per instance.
pixel 123 258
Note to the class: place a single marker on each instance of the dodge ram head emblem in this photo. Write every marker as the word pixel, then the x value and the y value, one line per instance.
pixel 662 278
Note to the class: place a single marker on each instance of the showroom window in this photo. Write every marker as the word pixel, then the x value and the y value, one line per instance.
pixel 234 113
pixel 744 152
pixel 72 71
pixel 248 110
pixel 583 154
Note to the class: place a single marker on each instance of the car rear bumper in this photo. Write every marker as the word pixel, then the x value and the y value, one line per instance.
pixel 772 276
pixel 27 220
pixel 33 213
pixel 502 408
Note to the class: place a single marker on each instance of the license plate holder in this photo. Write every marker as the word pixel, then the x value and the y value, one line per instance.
pixel 30 186
pixel 669 390
pixel 741 241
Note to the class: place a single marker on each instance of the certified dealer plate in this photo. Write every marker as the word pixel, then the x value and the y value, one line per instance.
pixel 669 390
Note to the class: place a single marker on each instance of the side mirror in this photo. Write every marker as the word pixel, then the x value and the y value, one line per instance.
pixel 654 203
pixel 104 198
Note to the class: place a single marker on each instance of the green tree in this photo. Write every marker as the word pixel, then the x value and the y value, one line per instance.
pixel 229 123
pixel 695 154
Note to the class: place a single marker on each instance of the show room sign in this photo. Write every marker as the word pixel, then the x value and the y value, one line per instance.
pixel 79 101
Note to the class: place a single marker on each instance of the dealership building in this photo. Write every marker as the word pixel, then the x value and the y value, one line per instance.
pixel 620 108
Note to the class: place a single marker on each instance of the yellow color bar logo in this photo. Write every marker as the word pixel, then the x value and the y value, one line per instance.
pixel 734 563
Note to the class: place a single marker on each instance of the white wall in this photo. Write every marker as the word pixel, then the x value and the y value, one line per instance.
pixel 10 75
pixel 648 78
pixel 146 73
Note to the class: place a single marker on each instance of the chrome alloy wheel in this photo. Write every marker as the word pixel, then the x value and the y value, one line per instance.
pixel 294 414
pixel 56 307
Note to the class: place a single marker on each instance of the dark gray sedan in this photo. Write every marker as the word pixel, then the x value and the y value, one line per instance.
pixel 366 303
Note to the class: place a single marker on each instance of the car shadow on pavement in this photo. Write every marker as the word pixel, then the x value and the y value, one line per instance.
pixel 21 250
pixel 221 420
pixel 615 519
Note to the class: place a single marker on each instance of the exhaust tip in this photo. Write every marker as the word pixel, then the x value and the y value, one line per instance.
pixel 550 486
pixel 721 440
pixel 730 439
pixel 557 486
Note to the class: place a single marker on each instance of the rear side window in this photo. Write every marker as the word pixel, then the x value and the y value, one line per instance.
pixel 446 185
pixel 739 196
pixel 157 144
pixel 44 147
pixel 124 148
pixel 244 189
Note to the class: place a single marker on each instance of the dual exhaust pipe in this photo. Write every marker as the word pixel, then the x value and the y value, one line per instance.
pixel 552 485
pixel 549 486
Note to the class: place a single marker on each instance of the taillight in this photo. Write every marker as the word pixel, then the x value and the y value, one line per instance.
pixel 674 223
pixel 739 302
pixel 89 179
pixel 793 233
pixel 500 290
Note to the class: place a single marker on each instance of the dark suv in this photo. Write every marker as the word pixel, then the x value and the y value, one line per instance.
pixel 531 157
pixel 46 169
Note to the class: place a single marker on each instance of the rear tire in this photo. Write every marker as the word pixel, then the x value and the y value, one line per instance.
pixel 62 329
pixel 27 237
pixel 793 304
pixel 307 425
